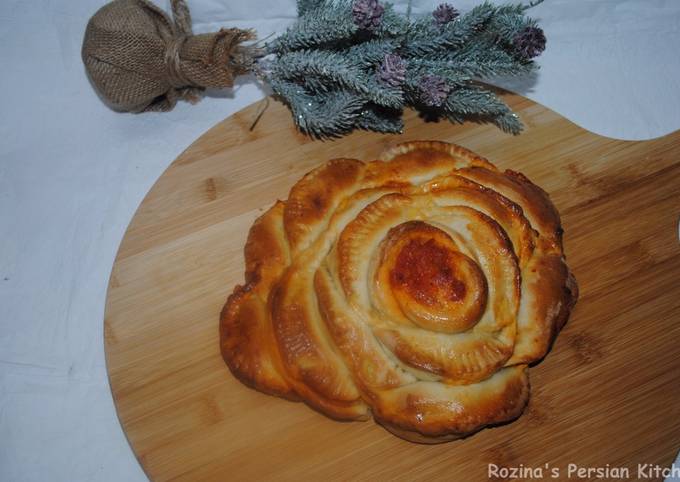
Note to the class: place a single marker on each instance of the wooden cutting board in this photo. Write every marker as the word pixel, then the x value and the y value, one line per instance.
pixel 607 393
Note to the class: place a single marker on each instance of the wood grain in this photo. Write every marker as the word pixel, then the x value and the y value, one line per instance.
pixel 607 393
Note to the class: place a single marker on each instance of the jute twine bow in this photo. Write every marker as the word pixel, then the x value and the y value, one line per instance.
pixel 140 60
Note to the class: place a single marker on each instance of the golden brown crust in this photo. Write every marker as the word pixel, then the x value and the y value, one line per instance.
pixel 422 276
pixel 427 153
pixel 416 287
pixel 246 337
pixel 314 369
pixel 538 209
pixel 433 411
pixel 316 196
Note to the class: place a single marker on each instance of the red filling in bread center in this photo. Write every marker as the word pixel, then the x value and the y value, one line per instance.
pixel 424 269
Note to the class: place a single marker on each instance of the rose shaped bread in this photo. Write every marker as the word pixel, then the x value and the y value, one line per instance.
pixel 415 289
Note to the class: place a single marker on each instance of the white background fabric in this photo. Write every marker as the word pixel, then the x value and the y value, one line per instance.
pixel 72 173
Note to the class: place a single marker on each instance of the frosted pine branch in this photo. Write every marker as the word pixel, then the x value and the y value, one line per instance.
pixel 355 64
pixel 336 71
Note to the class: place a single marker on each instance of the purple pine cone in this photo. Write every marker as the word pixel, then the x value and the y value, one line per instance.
pixel 392 71
pixel 367 14
pixel 433 90
pixel 444 13
pixel 530 42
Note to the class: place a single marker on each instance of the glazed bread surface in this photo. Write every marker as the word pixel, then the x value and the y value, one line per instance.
pixel 414 289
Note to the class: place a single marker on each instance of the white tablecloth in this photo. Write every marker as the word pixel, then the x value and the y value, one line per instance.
pixel 72 173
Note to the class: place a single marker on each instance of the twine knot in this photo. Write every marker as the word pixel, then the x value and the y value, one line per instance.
pixel 173 62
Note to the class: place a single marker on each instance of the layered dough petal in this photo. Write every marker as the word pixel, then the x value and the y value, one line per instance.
pixel 415 288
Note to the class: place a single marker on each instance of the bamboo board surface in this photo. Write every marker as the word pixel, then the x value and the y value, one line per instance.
pixel 607 393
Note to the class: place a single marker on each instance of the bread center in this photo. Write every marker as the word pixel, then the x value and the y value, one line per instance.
pixel 434 284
